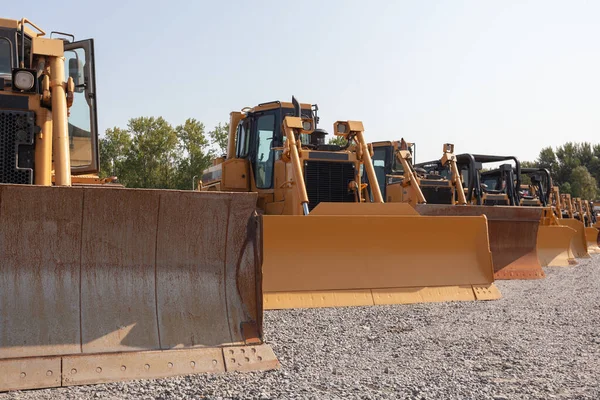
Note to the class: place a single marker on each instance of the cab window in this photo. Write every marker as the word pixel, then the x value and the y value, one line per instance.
pixel 264 157
pixel 242 140
pixel 5 57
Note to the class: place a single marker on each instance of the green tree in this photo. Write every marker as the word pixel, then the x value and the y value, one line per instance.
pixel 193 143
pixel 338 140
pixel 583 184
pixel 153 157
pixel 566 188
pixel 547 159
pixel 114 149
pixel 219 138
pixel 568 159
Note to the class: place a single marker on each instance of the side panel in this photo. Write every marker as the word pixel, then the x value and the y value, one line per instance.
pixel 235 174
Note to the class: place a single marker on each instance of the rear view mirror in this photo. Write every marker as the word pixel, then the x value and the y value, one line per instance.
pixel 76 72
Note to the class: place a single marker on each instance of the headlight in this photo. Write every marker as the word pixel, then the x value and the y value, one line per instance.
pixel 306 125
pixel 24 80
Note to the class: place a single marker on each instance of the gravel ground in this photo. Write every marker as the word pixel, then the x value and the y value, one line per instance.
pixel 541 341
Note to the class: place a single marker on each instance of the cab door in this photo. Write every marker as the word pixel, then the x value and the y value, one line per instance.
pixel 83 119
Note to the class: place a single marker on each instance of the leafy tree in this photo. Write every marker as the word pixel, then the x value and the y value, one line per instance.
pixel 583 184
pixel 565 188
pixel 339 140
pixel 150 153
pixel 193 143
pixel 572 165
pixel 219 138
pixel 547 159
pixel 153 156
pixel 114 148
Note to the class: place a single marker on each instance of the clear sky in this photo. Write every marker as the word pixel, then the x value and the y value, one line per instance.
pixel 503 77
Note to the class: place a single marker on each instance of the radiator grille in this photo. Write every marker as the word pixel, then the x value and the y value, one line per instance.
pixel 17 146
pixel 437 194
pixel 328 182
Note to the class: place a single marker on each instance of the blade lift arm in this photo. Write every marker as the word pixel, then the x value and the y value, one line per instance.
pixel 450 159
pixel 410 180
pixel 292 127
pixel 354 130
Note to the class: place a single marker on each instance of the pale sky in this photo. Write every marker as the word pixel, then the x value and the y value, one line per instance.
pixel 501 77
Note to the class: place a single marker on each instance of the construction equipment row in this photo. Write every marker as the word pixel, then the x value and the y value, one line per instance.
pixel 101 283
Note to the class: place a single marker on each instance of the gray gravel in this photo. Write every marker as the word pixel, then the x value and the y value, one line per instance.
pixel 541 341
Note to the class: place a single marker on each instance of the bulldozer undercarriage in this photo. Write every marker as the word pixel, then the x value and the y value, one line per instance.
pixel 110 284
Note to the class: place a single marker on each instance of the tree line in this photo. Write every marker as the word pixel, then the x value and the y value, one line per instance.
pixel 575 168
pixel 151 153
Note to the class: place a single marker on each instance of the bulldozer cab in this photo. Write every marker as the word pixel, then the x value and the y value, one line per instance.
pixel 535 194
pixel 401 180
pixel 33 108
pixel 388 168
pixel 490 187
pixel 258 160
pixel 539 190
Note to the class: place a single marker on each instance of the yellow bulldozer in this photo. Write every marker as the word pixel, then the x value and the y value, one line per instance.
pixel 437 188
pixel 100 283
pixel 324 243
pixel 565 213
pixel 554 240
pixel 584 215
pixel 591 221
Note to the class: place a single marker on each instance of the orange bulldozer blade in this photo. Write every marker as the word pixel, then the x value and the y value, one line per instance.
pixel 359 254
pixel 591 236
pixel 554 246
pixel 513 236
pixel 579 242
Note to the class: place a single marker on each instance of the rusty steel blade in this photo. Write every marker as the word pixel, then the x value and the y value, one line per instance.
pixel 95 271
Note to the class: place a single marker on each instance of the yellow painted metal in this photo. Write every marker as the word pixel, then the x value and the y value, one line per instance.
pixel 91 271
pixel 554 245
pixel 591 236
pixel 579 242
pixel 366 159
pixel 512 233
pixel 390 262
pixel 60 132
pixel 43 150
pixel 289 124
pixel 234 118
